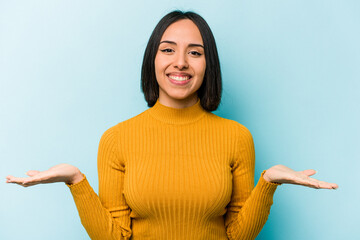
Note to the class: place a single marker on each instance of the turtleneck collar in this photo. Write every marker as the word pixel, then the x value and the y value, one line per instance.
pixel 177 115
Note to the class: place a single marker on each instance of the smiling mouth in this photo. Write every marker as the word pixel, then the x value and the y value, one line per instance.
pixel 179 79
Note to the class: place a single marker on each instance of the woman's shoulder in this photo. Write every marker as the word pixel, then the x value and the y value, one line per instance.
pixel 238 127
pixel 126 124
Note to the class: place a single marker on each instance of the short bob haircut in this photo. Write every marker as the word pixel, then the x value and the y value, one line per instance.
pixel 210 90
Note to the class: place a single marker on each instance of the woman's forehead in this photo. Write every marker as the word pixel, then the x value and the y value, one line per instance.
pixel 183 31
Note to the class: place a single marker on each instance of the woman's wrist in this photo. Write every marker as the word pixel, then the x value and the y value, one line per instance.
pixel 76 178
pixel 266 176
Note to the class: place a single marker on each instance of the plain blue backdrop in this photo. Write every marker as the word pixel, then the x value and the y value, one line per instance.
pixel 69 70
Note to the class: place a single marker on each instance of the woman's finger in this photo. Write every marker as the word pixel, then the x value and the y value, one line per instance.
pixel 304 181
pixel 309 172
pixel 315 183
pixel 328 185
pixel 22 180
pixel 32 173
pixel 38 178
pixel 322 184
pixel 12 179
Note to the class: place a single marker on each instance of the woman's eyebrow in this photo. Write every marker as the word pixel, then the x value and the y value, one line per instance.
pixel 190 44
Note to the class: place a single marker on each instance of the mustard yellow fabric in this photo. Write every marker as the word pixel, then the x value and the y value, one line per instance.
pixel 175 174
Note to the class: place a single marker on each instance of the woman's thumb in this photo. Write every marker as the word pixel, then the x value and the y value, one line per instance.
pixel 32 173
pixel 309 172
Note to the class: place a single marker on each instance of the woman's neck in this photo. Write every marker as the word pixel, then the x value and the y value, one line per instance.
pixel 178 103
pixel 177 115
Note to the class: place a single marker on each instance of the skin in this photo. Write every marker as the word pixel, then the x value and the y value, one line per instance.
pixel 180 53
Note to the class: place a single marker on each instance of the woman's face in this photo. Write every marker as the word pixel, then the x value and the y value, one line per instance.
pixel 180 64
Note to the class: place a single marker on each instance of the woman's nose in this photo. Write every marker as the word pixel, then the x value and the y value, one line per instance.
pixel 181 62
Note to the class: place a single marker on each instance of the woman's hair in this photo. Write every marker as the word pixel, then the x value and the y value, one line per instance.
pixel 210 90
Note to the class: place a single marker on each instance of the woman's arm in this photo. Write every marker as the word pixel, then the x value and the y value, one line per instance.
pixel 106 216
pixel 249 207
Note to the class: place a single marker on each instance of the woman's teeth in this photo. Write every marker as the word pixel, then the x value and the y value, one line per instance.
pixel 179 78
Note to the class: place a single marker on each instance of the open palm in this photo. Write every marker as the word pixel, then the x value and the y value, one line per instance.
pixel 59 173
pixel 283 174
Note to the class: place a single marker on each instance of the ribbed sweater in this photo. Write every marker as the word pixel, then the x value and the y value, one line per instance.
pixel 175 174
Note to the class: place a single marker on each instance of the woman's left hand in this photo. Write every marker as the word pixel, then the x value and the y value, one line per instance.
pixel 283 174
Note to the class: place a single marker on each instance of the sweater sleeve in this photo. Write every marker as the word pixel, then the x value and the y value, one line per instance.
pixel 106 216
pixel 249 207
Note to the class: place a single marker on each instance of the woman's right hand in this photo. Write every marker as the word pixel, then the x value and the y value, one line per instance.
pixel 60 173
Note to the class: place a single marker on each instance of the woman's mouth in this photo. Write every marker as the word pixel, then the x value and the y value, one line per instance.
pixel 178 79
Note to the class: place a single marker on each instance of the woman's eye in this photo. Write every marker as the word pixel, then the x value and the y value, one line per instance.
pixel 167 50
pixel 195 53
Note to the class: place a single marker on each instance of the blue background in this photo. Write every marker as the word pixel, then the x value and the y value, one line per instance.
pixel 69 70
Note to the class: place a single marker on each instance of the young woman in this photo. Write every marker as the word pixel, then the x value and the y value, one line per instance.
pixel 176 171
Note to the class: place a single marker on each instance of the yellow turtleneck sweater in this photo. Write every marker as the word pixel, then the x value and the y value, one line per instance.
pixel 175 174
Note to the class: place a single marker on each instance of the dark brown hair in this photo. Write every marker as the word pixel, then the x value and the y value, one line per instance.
pixel 210 90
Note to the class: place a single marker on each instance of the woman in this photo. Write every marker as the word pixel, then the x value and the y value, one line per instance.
pixel 176 171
